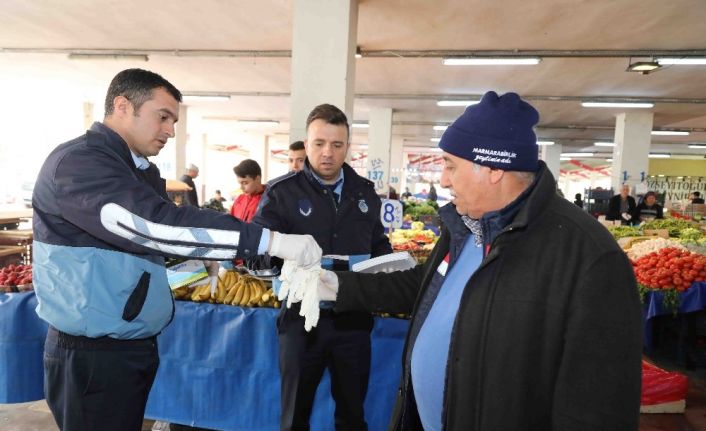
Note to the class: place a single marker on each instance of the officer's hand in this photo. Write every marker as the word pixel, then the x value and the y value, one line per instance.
pixel 302 249
pixel 328 285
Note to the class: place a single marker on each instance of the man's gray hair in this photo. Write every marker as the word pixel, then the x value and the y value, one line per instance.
pixel 192 167
pixel 522 176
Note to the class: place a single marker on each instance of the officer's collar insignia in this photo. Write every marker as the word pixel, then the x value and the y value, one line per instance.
pixel 305 207
pixel 362 206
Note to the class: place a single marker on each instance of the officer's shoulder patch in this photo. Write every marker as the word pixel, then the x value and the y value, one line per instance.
pixel 273 182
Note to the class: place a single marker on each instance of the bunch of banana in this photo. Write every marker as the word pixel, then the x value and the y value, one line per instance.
pixel 202 293
pixel 181 293
pixel 269 299
pixel 232 289
pixel 242 290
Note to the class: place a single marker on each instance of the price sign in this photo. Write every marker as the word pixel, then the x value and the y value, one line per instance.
pixel 391 213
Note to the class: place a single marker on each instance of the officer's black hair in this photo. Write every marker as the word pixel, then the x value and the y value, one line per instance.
pixel 297 145
pixel 248 168
pixel 136 85
pixel 330 114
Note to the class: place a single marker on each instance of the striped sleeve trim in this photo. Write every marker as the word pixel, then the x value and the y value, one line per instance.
pixel 193 242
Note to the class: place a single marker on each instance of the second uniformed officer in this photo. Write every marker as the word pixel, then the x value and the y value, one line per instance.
pixel 340 209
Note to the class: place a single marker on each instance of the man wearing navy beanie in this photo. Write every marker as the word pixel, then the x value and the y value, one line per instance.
pixel 526 315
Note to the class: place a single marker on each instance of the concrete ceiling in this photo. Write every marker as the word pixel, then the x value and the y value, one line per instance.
pixel 587 45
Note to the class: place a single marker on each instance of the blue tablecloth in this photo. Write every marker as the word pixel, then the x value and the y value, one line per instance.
pixel 218 366
pixel 22 336
pixel 691 300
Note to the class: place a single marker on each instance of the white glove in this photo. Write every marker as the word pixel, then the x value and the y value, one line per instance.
pixel 302 249
pixel 296 281
pixel 310 307
pixel 328 285
pixel 626 216
pixel 299 284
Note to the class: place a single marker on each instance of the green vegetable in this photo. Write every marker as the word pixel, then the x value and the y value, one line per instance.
pixel 623 231
pixel 674 226
pixel 690 234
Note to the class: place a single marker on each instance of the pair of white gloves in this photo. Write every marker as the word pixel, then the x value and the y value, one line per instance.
pixel 309 286
pixel 303 279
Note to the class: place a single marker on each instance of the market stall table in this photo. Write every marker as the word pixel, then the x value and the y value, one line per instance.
pixel 690 301
pixel 12 219
pixel 218 366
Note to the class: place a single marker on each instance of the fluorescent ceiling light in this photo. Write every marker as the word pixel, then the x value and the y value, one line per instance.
pixel 435 139
pixel 669 133
pixel 682 61
pixel 457 102
pixel 440 128
pixel 644 67
pixel 361 125
pixel 576 154
pixel 616 105
pixel 604 144
pixel 608 160
pixel 491 61
pixel 545 142
pixel 258 123
pixel 697 145
pixel 205 98
pixel 564 159
pixel 101 56
pixel 659 155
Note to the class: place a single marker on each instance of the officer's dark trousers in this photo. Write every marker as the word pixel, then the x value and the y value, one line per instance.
pixel 98 383
pixel 340 343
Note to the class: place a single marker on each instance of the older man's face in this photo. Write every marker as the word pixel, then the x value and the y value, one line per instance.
pixel 469 185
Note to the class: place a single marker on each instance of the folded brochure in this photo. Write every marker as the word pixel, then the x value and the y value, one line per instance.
pixel 399 261
pixel 185 273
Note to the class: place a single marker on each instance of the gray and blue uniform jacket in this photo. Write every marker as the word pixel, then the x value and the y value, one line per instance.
pixel 101 229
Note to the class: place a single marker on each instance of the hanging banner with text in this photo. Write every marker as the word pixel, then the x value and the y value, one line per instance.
pixel 676 189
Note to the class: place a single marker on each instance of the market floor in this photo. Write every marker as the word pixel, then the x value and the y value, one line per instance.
pixel 35 416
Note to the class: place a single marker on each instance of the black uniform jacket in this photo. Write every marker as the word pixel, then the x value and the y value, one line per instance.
pixel 296 203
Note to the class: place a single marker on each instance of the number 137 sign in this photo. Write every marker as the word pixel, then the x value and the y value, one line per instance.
pixel 391 213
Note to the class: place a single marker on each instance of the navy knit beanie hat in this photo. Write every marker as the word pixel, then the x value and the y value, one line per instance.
pixel 497 132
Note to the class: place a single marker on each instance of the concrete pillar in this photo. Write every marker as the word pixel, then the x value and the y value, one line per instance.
pixel 398 178
pixel 379 142
pixel 323 59
pixel 632 147
pixel 87 115
pixel 180 147
pixel 551 154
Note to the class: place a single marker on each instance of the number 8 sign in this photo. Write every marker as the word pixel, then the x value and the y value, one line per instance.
pixel 391 213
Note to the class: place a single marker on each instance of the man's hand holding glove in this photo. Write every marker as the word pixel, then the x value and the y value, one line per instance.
pixel 327 286
pixel 302 249
pixel 308 286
